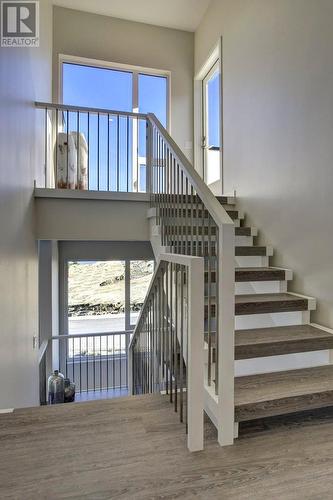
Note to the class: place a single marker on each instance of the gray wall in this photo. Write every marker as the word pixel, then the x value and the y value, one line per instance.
pixel 100 37
pixel 278 127
pixel 66 219
pixel 25 76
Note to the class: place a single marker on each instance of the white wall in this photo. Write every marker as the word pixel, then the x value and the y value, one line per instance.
pixel 25 75
pixel 116 40
pixel 278 127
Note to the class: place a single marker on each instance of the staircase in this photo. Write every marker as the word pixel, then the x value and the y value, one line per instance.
pixel 273 330
pixel 275 361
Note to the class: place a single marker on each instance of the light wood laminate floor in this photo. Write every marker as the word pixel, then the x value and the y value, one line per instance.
pixel 134 448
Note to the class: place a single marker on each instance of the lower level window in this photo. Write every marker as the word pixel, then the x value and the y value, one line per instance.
pixel 106 296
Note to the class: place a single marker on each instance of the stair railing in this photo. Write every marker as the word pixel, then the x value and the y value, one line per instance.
pixel 192 222
pixel 166 352
pixel 93 149
pixel 109 153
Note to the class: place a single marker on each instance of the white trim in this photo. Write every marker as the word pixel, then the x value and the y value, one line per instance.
pixel 214 56
pixel 312 302
pixel 321 327
pixel 75 194
pixel 6 410
pixel 85 61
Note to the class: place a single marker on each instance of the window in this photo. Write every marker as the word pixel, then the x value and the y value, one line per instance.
pixel 116 89
pixel 106 296
pixel 153 96
pixel 116 145
pixel 97 87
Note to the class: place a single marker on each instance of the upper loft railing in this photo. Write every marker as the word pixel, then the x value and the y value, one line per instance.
pixel 94 149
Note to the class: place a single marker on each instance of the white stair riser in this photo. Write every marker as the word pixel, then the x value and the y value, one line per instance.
pixel 250 287
pixel 244 241
pixel 284 362
pixel 274 319
pixel 251 261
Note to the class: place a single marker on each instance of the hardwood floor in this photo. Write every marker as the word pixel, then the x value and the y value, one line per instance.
pixel 134 448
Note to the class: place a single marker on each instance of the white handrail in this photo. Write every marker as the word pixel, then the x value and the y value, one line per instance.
pixel 215 209
pixel 225 286
pixel 195 343
pixel 85 109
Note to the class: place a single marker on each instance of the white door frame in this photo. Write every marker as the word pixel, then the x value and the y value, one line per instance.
pixel 215 55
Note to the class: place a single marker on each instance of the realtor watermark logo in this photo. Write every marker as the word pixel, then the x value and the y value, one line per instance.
pixel 19 24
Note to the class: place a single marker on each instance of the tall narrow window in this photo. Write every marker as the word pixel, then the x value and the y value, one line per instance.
pixel 212 126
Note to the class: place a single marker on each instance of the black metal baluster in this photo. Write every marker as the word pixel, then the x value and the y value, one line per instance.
pixel 166 327
pixel 88 133
pixel 55 169
pixel 94 364
pixel 209 302
pixel 87 363
pixel 181 374
pixel 217 312
pixel 184 227
pixel 137 154
pixel 108 152
pixel 171 333
pixel 107 362
pixel 98 139
pixel 113 364
pixel 67 149
pixel 73 359
pixel 118 153
pixel 127 153
pixel 45 148
pixel 175 342
pixel 121 354
pixel 80 339
pixel 78 150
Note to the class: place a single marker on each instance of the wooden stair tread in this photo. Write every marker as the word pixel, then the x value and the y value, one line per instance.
pixel 246 274
pixel 259 274
pixel 239 251
pixel 277 393
pixel 194 212
pixel 243 231
pixel 251 250
pixel 269 302
pixel 261 303
pixel 279 340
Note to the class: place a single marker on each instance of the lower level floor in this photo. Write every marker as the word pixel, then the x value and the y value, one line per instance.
pixel 135 448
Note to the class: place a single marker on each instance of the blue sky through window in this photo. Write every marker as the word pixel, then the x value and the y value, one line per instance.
pixel 112 167
pixel 214 110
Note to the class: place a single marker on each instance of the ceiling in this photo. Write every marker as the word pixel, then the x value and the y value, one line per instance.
pixel 180 14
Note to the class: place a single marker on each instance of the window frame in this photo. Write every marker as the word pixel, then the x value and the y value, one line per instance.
pixel 135 70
